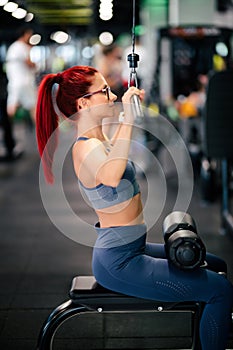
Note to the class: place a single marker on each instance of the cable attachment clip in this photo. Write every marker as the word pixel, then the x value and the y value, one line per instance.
pixel 133 59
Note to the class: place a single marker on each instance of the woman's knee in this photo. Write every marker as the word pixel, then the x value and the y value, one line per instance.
pixel 222 290
pixel 215 263
pixel 156 250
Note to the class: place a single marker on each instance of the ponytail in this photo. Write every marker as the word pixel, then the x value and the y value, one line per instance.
pixel 46 125
pixel 73 83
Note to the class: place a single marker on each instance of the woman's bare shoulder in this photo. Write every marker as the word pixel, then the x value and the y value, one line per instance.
pixel 82 147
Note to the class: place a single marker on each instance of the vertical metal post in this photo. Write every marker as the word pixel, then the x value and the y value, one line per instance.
pixel 225 186
pixel 226 215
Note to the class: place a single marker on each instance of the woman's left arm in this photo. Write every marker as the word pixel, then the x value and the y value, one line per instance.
pixel 127 104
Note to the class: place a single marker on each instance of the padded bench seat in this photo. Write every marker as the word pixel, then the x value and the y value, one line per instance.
pixel 86 295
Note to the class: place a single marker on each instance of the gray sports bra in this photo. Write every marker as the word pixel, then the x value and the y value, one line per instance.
pixel 103 196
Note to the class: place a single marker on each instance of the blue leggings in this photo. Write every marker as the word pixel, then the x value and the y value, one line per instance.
pixel 125 263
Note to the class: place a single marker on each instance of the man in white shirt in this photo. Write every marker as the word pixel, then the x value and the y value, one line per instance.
pixel 20 72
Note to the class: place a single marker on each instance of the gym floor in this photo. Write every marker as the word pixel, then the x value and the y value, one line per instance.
pixel 38 261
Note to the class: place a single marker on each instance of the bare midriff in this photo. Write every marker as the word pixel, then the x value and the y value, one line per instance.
pixel 127 213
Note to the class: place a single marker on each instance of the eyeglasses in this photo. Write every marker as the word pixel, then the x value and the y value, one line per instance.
pixel 105 90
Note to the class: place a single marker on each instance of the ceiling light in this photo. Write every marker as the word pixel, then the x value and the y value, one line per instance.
pixel 103 10
pixel 10 6
pixel 60 37
pixel 106 10
pixel 106 38
pixel 108 6
pixel 106 17
pixel 35 39
pixel 221 49
pixel 3 2
pixel 29 17
pixel 105 2
pixel 19 13
pixel 106 13
pixel 87 52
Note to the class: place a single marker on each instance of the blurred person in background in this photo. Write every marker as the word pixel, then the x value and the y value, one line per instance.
pixel 110 65
pixel 5 122
pixel 21 74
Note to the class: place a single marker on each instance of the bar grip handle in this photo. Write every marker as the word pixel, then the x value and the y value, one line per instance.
pixel 137 108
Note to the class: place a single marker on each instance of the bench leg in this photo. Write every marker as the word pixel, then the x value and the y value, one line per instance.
pixel 196 344
pixel 62 313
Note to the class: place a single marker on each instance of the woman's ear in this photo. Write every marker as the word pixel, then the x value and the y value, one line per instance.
pixel 82 103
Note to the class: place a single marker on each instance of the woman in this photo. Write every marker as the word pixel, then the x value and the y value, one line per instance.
pixel 122 260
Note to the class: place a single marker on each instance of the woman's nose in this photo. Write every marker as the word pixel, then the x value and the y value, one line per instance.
pixel 113 97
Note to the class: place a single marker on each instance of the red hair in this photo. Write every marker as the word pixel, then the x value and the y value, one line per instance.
pixel 73 83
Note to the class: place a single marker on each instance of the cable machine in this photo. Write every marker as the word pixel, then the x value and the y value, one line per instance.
pixel 133 60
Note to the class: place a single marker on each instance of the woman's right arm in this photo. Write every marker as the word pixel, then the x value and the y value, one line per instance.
pixel 108 168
